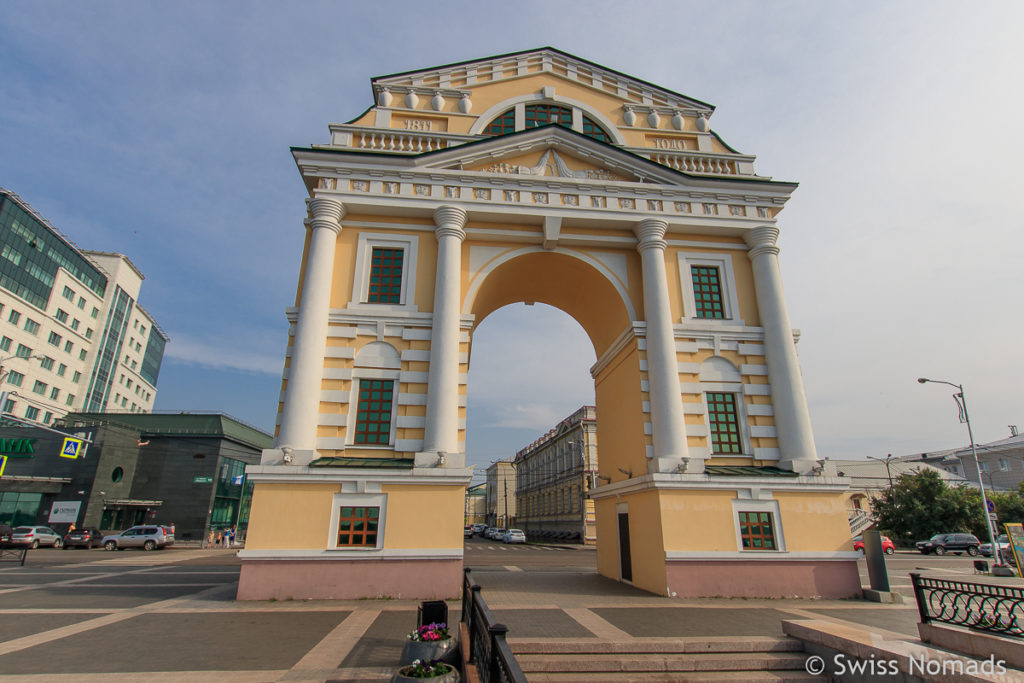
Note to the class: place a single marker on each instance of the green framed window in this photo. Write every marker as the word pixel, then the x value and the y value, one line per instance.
pixel 506 123
pixel 724 419
pixel 31 413
pixel 707 291
pixel 61 315
pixel 757 531
pixel 358 526
pixel 591 129
pixel 31 326
pixel 535 115
pixel 15 378
pixel 373 414
pixel 544 114
pixel 385 276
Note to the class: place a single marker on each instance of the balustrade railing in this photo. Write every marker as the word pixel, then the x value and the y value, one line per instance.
pixel 488 649
pixel 986 607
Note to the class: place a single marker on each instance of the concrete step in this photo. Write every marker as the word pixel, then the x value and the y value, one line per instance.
pixel 655 662
pixel 729 644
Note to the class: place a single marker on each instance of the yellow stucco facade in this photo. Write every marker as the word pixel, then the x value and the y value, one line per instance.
pixel 542 177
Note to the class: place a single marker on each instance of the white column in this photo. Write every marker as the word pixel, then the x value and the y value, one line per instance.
pixel 302 394
pixel 792 420
pixel 441 433
pixel 667 419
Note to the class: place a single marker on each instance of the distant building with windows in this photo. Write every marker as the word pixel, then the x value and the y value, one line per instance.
pixel 554 476
pixel 72 333
pixel 501 494
pixel 186 469
pixel 1001 462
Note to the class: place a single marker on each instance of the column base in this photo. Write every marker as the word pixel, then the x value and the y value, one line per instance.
pixel 439 459
pixel 343 579
pixel 287 456
pixel 782 578
pixel 675 465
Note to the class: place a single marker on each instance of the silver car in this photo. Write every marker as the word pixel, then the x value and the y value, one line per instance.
pixel 35 536
pixel 145 536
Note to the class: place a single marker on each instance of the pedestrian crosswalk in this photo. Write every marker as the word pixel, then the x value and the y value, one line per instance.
pixel 516 548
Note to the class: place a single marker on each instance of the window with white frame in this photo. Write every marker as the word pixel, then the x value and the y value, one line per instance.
pixel 758 525
pixel 726 417
pixel 385 271
pixel 709 287
pixel 371 413
pixel 357 521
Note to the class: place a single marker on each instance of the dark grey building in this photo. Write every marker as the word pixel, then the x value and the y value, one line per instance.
pixel 185 469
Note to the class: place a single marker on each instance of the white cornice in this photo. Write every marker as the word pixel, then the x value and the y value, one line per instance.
pixel 661 481
pixel 353 554
pixel 421 476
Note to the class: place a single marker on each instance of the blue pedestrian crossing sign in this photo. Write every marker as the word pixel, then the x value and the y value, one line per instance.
pixel 72 447
pixel 3 464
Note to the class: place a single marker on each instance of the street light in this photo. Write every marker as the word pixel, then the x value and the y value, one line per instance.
pixel 961 402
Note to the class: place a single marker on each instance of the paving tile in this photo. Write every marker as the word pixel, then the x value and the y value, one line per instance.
pixel 20 625
pixel 540 623
pixel 684 622
pixel 383 642
pixel 896 619
pixel 84 595
pixel 181 642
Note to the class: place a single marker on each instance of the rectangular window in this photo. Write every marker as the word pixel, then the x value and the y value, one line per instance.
pixel 357 527
pixel 61 369
pixel 54 339
pixel 9 405
pixel 46 363
pixel 31 412
pixel 707 292
pixel 14 317
pixel 81 302
pixel 75 324
pixel 77 376
pixel 39 387
pixel 81 355
pixel 88 333
pixel 15 378
pixel 373 415
pixel 68 346
pixel 23 351
pixel 69 294
pixel 725 430
pixel 47 417
pixel 61 315
pixel 983 466
pixel 70 400
pixel 756 531
pixel 5 344
pixel 95 312
pixel 54 393
pixel 31 326
pixel 1004 464
pixel 385 276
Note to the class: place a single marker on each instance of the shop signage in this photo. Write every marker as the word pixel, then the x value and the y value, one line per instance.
pixel 64 511
pixel 18 448
pixel 202 480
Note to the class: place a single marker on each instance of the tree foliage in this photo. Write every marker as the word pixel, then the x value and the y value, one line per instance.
pixel 920 505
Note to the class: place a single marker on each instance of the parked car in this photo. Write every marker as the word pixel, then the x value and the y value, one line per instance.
pixel 468 531
pixel 35 536
pixel 940 544
pixel 887 545
pixel 1002 541
pixel 479 529
pixel 86 537
pixel 145 536
pixel 489 532
pixel 5 535
pixel 514 536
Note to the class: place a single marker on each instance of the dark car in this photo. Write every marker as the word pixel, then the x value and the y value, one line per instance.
pixel 86 537
pixel 940 544
pixel 6 532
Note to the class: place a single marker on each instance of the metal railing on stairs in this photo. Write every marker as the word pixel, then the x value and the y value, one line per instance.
pixel 986 607
pixel 859 520
pixel 488 649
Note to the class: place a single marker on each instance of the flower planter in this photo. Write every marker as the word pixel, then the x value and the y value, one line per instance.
pixel 451 677
pixel 430 650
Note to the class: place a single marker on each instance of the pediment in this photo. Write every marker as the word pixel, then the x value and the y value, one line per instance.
pixel 550 152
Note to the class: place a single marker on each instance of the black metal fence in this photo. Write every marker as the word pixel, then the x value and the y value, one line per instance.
pixel 488 649
pixel 986 607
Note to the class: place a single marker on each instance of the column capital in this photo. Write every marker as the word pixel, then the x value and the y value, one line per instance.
pixel 761 240
pixel 327 213
pixel 651 233
pixel 450 220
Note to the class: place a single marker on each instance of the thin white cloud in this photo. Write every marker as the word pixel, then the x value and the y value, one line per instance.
pixel 223 354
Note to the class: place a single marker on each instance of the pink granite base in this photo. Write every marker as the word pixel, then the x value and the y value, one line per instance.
pixel 763 579
pixel 349 580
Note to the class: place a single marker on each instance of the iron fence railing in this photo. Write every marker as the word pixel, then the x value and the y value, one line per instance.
pixel 487 648
pixel 987 607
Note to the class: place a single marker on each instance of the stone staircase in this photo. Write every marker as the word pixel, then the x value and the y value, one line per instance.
pixel 734 658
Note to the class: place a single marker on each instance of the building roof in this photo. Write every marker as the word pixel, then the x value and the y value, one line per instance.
pixel 872 474
pixel 179 424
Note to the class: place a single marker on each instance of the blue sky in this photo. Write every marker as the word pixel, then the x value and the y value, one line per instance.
pixel 162 131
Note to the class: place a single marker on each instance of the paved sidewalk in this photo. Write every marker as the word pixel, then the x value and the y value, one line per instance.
pixel 170 616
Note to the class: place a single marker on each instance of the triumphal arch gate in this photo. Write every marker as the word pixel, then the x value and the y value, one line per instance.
pixel 542 177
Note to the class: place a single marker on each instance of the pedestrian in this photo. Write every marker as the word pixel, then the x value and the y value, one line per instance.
pixel 220 538
pixel 209 538
pixel 234 532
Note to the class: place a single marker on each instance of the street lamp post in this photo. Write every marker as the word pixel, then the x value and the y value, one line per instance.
pixel 961 402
